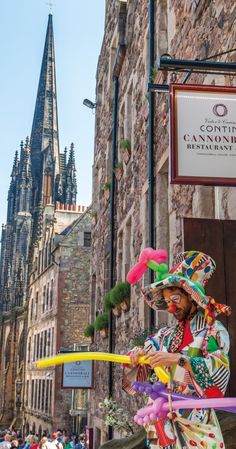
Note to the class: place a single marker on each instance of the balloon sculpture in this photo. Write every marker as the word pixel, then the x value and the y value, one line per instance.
pixel 158 391
pixel 160 407
pixel 104 356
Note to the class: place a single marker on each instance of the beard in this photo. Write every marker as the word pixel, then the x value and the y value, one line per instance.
pixel 183 313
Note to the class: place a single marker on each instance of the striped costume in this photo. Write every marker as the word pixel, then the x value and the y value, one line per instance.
pixel 207 346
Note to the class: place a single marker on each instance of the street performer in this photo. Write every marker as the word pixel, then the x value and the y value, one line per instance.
pixel 195 352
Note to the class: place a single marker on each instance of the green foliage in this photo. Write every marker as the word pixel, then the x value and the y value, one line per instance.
pixel 101 321
pixel 125 144
pixel 89 330
pixel 120 292
pixel 107 301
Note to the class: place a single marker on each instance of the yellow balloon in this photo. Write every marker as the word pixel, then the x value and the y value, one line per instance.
pixel 104 356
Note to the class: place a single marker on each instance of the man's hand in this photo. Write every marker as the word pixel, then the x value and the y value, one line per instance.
pixel 135 354
pixel 163 358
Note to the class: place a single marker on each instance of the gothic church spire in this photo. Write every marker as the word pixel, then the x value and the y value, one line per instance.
pixel 44 135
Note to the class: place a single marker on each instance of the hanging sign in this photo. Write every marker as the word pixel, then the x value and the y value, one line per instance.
pixel 78 374
pixel 203 134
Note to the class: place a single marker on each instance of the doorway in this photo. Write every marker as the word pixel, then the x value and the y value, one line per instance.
pixel 218 239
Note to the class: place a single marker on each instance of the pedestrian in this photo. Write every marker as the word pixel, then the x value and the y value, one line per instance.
pixel 20 443
pixel 56 444
pixel 6 443
pixel 194 351
pixel 2 435
pixel 66 443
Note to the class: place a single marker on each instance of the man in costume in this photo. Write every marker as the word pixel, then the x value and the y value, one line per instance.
pixel 194 351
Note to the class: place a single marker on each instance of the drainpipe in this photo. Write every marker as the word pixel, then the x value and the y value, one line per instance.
pixel 151 192
pixel 112 250
pixel 119 59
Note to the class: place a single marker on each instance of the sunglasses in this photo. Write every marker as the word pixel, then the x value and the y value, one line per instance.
pixel 174 299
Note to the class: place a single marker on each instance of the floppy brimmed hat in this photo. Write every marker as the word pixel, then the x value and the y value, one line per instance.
pixel 191 273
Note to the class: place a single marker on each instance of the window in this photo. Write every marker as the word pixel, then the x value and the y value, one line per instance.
pixel 107 273
pixel 41 345
pixel 36 394
pixel 45 344
pixel 44 299
pixel 87 239
pixel 34 353
pixel 32 394
pixel 52 342
pixel 39 394
pixel 32 309
pixel 46 396
pixel 43 395
pixel 48 342
pixel 47 298
pixel 29 349
pixel 51 294
pixel 36 306
pixel 27 393
pixel 38 346
pixel 50 397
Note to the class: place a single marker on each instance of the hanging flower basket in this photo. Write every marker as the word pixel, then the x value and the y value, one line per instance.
pixel 116 310
pixel 101 324
pixel 89 331
pixel 104 333
pixel 121 294
pixel 125 304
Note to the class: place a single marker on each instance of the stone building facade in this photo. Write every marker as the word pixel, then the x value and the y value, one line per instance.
pixel 58 314
pixel 185 216
pixel 41 204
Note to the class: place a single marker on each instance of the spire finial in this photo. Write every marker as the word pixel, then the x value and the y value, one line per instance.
pixel 50 4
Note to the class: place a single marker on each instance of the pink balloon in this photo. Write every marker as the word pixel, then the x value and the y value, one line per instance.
pixel 136 272
pixel 153 416
pixel 203 403
pixel 146 419
pixel 158 255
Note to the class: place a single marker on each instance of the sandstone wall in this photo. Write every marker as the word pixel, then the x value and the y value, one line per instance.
pixel 185 29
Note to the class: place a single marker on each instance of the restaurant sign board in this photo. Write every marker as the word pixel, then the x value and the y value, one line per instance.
pixel 203 134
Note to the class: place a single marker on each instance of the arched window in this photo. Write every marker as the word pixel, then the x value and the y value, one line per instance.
pixel 8 352
pixel 21 349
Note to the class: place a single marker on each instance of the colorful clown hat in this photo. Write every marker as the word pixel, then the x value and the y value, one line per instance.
pixel 191 273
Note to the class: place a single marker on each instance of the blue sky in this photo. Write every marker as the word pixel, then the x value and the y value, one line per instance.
pixel 78 32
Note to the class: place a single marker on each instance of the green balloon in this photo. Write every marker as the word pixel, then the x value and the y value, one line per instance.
pixel 165 275
pixel 163 268
pixel 153 265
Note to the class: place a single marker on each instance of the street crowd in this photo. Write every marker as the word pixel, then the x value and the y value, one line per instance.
pixel 58 440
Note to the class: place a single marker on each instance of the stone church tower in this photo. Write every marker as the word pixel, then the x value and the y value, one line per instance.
pixel 40 176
